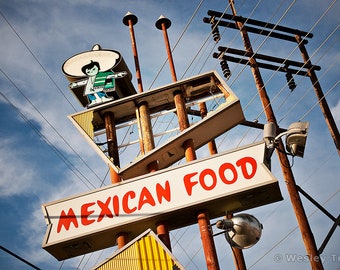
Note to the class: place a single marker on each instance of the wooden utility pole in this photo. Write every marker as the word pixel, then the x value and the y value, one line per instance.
pixel 319 94
pixel 300 214
pixel 190 154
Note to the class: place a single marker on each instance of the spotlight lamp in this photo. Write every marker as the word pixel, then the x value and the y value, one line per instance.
pixel 296 136
pixel 241 231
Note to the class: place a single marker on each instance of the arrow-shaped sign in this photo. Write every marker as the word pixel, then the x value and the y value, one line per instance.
pixel 232 181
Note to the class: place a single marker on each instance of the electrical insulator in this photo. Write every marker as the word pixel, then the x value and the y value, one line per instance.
pixel 290 81
pixel 215 32
pixel 225 69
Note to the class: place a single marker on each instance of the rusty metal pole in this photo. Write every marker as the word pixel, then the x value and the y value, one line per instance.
pixel 112 144
pixel 319 94
pixel 143 107
pixel 211 144
pixel 239 261
pixel 144 120
pixel 189 151
pixel 130 20
pixel 300 214
pixel 111 136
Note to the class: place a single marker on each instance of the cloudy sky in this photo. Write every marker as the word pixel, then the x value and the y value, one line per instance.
pixel 44 158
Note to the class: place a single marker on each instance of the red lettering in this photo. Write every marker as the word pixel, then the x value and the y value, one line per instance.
pixel 188 184
pixel 105 211
pixel 202 176
pixel 125 204
pixel 85 213
pixel 115 202
pixel 243 164
pixel 223 168
pixel 66 220
pixel 145 197
pixel 163 192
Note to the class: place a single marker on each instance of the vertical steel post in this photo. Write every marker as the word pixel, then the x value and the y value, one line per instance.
pixel 319 94
pixel 211 144
pixel 300 214
pixel 111 137
pixel 130 20
pixel 239 261
pixel 143 108
pixel 203 218
pixel 144 121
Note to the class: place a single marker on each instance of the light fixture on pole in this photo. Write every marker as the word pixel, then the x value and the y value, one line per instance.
pixel 296 136
pixel 241 231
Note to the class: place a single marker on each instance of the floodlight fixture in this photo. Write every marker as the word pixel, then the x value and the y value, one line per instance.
pixel 296 136
pixel 241 231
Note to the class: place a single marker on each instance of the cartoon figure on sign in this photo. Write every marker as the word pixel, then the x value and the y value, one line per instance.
pixel 97 83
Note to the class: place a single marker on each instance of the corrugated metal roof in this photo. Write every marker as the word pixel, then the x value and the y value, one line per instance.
pixel 145 252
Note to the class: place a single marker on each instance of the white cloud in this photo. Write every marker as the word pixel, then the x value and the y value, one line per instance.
pixel 16 174
pixel 56 30
pixel 336 113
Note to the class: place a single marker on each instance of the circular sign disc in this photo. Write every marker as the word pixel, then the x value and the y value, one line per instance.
pixel 107 59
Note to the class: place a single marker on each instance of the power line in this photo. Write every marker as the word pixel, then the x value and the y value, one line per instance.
pixel 291 231
pixel 234 80
pixel 36 59
pixel 315 24
pixel 49 143
pixel 199 50
pixel 316 103
pixel 50 77
pixel 308 90
pixel 178 40
pixel 244 66
pixel 46 120
pixel 18 257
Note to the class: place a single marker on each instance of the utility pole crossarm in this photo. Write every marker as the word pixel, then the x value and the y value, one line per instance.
pixel 260 23
pixel 255 30
pixel 261 64
pixel 269 58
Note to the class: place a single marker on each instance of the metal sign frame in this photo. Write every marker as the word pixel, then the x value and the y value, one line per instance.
pixel 233 181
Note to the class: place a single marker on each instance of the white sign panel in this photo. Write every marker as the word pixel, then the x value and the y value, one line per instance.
pixel 167 193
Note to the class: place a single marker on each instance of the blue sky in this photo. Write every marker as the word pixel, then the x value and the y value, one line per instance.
pixel 40 150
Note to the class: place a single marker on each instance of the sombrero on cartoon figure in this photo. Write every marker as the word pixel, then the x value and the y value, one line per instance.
pixel 92 76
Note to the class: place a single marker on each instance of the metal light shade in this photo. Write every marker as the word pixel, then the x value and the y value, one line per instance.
pixel 243 231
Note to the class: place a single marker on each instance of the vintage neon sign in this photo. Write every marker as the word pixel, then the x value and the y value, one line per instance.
pixel 231 181
pixel 92 76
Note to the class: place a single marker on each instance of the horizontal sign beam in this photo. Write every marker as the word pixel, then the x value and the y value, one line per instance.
pixel 232 181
